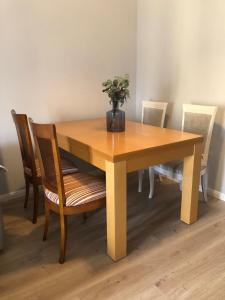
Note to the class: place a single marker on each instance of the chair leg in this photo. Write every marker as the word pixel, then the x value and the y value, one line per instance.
pixel 204 184
pixel 36 200
pixel 63 238
pixel 84 217
pixel 47 211
pixel 27 182
pixel 152 182
pixel 140 179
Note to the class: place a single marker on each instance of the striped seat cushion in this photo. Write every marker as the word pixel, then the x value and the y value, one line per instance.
pixel 80 189
pixel 67 168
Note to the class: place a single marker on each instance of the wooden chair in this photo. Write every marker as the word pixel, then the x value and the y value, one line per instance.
pixel 31 166
pixel 197 119
pixel 153 113
pixel 64 195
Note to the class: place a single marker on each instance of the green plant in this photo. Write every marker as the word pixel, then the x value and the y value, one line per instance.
pixel 117 89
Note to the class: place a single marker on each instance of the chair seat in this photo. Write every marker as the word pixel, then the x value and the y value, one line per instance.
pixel 80 189
pixel 173 169
pixel 67 168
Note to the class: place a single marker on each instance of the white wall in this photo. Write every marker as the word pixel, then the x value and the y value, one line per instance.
pixel 54 55
pixel 181 59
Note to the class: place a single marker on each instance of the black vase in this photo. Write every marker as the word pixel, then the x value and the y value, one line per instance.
pixel 115 119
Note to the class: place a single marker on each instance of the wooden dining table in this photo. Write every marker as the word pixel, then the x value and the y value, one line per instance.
pixel 138 147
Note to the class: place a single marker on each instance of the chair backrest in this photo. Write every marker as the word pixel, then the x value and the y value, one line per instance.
pixel 200 119
pixel 48 153
pixel 25 142
pixel 153 113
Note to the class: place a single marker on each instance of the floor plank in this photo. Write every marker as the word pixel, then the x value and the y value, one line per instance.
pixel 167 259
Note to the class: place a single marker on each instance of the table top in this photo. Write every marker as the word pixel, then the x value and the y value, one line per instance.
pixel 136 137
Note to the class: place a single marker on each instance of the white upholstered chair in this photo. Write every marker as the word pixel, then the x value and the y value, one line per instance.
pixel 153 113
pixel 197 119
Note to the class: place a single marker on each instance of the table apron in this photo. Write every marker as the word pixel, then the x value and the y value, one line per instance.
pixel 134 162
pixel 82 151
pixel 159 156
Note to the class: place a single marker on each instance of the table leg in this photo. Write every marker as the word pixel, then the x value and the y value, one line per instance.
pixel 190 185
pixel 116 209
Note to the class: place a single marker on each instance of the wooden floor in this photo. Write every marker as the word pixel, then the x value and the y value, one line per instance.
pixel 166 258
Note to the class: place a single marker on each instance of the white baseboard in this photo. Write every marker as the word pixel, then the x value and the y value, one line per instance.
pixel 21 193
pixel 216 194
pixel 12 195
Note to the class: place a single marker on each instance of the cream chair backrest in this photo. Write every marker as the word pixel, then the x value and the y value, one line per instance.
pixel 153 113
pixel 200 119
